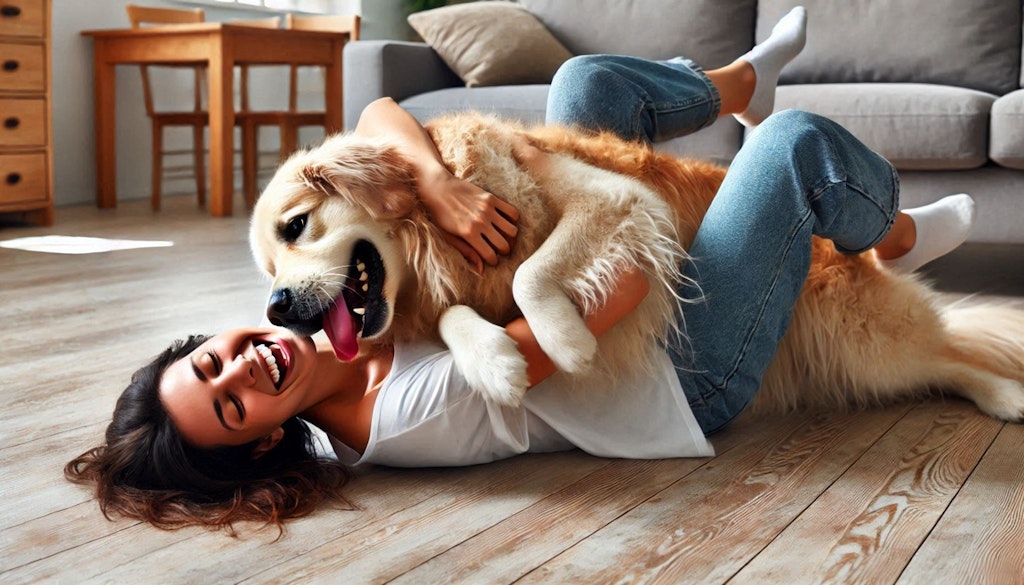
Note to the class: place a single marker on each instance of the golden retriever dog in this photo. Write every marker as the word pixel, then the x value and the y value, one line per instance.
pixel 351 250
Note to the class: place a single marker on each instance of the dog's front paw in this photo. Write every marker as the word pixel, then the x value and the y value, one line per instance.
pixel 553 317
pixel 568 342
pixel 485 355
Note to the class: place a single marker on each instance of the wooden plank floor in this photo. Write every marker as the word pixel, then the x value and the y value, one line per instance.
pixel 916 493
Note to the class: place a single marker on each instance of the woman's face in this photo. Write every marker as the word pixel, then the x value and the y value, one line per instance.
pixel 239 386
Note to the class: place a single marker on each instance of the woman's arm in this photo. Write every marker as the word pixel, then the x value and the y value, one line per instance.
pixel 629 290
pixel 477 223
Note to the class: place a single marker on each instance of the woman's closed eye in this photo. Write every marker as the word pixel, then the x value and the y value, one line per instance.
pixel 200 371
pixel 217 365
pixel 239 406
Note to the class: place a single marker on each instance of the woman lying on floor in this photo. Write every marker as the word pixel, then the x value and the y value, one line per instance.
pixel 203 435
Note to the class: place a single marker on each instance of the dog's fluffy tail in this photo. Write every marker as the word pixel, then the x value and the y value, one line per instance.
pixel 987 341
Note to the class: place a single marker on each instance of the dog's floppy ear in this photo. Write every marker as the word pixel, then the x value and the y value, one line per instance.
pixel 374 177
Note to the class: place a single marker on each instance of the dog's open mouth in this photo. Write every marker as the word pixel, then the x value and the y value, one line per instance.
pixel 360 309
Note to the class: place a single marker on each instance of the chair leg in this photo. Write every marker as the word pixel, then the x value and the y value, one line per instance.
pixel 198 146
pixel 158 165
pixel 289 141
pixel 250 162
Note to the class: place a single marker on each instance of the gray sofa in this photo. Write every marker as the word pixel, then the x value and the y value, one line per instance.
pixel 934 85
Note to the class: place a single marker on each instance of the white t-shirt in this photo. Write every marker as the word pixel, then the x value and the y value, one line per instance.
pixel 426 416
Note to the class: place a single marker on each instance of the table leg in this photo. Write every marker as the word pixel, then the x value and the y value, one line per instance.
pixel 222 124
pixel 104 94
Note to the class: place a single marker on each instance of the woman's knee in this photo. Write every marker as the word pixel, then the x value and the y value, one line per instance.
pixel 794 127
pixel 581 74
pixel 588 92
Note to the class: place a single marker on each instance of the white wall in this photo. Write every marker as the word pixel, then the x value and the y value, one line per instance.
pixel 73 130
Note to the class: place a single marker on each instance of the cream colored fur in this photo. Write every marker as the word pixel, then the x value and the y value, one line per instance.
pixel 860 335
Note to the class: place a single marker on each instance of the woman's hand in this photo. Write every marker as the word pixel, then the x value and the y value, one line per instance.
pixel 478 224
pixel 534 160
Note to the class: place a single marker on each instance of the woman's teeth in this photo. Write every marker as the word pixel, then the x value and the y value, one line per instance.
pixel 271 361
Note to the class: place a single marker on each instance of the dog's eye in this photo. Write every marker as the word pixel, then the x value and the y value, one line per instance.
pixel 293 229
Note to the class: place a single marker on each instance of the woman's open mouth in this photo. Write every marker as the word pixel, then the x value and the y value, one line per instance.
pixel 360 309
pixel 275 361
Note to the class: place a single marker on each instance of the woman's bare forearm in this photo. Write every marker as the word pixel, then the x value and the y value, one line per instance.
pixel 630 289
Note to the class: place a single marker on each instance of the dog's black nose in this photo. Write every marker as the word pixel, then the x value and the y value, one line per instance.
pixel 279 307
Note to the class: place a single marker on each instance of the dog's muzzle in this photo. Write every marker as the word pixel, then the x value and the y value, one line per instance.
pixel 284 311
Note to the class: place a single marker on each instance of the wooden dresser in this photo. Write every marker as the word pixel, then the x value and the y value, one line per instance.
pixel 26 141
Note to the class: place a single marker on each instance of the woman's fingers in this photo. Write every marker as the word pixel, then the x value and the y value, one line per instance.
pixel 507 210
pixel 479 224
pixel 529 156
pixel 468 252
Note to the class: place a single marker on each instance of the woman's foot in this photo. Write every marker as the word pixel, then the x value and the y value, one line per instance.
pixel 768 58
pixel 934 230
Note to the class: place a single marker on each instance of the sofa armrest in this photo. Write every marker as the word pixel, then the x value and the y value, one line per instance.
pixel 396 69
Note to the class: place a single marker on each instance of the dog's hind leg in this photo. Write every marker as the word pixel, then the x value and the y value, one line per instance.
pixel 996 396
pixel 986 347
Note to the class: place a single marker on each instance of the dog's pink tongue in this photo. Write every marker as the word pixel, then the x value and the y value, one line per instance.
pixel 340 330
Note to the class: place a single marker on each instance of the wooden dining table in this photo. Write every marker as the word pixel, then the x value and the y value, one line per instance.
pixel 220 46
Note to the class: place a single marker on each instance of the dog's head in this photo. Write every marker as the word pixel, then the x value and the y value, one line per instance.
pixel 322 231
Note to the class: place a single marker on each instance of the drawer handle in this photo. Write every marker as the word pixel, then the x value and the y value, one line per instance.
pixel 11 65
pixel 13 178
pixel 10 11
pixel 12 123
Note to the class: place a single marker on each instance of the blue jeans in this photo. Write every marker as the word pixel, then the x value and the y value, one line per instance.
pixel 797 175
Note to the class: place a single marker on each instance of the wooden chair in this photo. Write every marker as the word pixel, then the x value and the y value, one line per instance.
pixel 290 120
pixel 196 118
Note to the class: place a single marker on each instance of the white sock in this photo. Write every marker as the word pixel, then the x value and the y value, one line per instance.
pixel 768 58
pixel 941 227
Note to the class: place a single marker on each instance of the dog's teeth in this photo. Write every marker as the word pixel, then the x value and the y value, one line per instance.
pixel 366 287
pixel 359 310
pixel 363 277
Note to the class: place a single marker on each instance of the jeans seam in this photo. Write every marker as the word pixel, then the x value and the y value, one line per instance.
pixel 716 98
pixel 720 389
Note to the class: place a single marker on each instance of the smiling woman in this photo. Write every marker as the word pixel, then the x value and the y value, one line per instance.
pixel 237 387
pixel 147 470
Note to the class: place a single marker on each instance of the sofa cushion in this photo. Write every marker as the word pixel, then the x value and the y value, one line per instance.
pixel 916 126
pixel 1006 145
pixel 974 44
pixel 711 32
pixel 491 43
pixel 525 103
pixel 718 143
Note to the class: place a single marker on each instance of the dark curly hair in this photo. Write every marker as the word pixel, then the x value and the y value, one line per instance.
pixel 146 470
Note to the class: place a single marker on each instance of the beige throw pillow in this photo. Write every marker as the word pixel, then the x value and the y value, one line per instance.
pixel 491 43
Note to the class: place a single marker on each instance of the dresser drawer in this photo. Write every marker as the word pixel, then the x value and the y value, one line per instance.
pixel 22 18
pixel 22 178
pixel 22 122
pixel 22 66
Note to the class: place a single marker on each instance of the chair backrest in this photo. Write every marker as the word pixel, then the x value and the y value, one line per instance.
pixel 271 22
pixel 143 15
pixel 342 23
pixel 339 23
